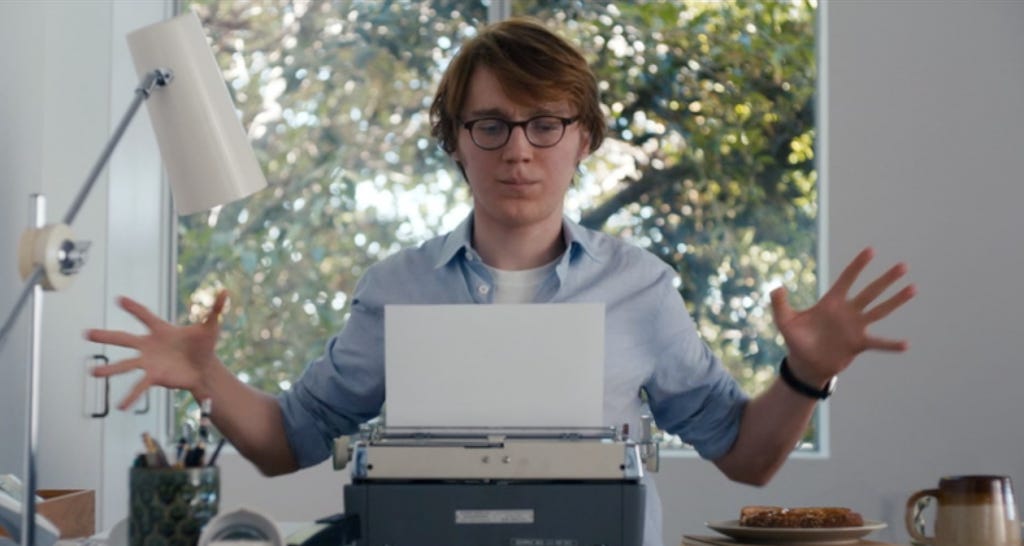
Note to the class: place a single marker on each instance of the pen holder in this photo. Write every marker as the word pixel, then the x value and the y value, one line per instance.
pixel 170 506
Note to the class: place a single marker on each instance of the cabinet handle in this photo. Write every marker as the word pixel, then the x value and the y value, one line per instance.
pixel 145 407
pixel 106 388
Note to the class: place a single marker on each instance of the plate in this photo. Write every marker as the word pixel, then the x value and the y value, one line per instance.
pixel 777 535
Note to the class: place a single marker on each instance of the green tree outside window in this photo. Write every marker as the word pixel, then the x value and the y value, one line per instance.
pixel 709 162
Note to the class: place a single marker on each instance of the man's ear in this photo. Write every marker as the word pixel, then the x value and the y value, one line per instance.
pixel 584 150
pixel 454 154
pixel 462 170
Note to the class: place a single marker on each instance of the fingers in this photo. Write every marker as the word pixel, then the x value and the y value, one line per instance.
pixel 113 337
pixel 879 285
pixel 137 391
pixel 140 312
pixel 780 305
pixel 117 367
pixel 884 344
pixel 218 307
pixel 853 270
pixel 121 367
pixel 883 309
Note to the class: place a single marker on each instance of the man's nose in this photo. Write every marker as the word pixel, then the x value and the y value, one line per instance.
pixel 518 146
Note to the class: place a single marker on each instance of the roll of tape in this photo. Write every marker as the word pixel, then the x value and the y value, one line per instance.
pixel 242 527
pixel 41 246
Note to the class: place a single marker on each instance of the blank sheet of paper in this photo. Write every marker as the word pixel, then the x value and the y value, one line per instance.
pixel 528 365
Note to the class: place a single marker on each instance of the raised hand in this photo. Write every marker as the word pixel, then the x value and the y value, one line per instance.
pixel 824 339
pixel 177 357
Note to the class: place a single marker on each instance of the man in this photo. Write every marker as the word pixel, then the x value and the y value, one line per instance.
pixel 518 110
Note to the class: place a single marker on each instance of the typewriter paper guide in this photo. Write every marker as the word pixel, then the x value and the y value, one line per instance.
pixel 531 365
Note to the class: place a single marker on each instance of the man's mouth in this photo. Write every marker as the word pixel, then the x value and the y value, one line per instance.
pixel 517 181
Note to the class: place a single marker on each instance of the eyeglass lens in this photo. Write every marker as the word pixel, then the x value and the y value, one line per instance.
pixel 541 131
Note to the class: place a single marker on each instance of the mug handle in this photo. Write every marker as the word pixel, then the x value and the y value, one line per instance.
pixel 913 516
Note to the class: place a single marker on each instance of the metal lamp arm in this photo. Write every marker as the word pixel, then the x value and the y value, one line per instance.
pixel 157 77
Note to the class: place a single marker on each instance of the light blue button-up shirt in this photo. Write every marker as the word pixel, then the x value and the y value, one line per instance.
pixel 650 343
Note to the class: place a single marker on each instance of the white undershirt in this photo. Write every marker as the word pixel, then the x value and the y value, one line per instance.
pixel 519 286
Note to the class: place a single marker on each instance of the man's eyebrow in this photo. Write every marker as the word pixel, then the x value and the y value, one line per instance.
pixel 499 113
pixel 487 112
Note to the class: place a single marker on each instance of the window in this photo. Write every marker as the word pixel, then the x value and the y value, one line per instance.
pixel 709 162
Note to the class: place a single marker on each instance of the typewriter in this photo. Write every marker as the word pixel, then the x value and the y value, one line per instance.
pixel 494 486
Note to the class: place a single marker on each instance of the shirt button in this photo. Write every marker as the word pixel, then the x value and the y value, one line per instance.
pixel 483 289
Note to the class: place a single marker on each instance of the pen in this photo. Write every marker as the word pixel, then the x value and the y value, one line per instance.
pixel 180 451
pixel 204 419
pixel 216 451
pixel 194 456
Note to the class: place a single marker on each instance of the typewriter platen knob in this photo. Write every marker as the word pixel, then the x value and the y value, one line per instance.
pixel 649 448
pixel 342 452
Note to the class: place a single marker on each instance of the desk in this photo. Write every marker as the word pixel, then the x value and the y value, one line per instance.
pixel 118 534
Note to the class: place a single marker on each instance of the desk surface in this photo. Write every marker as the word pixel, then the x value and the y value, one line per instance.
pixel 118 534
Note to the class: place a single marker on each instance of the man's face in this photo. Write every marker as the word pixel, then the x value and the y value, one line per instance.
pixel 517 185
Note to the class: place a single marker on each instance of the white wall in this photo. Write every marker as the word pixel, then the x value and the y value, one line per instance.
pixel 21 168
pixel 926 151
pixel 925 139
pixel 47 144
pixel 67 82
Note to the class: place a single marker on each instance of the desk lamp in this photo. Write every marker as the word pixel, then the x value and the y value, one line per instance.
pixel 208 160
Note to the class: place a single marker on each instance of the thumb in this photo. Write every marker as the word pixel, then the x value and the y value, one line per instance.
pixel 218 307
pixel 780 305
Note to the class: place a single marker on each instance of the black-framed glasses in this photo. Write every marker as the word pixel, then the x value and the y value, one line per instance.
pixel 541 131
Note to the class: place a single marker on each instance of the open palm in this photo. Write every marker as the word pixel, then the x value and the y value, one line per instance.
pixel 824 339
pixel 170 356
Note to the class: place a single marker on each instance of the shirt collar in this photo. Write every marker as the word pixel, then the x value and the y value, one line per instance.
pixel 458 240
pixel 578 240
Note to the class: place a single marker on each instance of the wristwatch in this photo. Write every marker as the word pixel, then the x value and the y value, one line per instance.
pixel 803 388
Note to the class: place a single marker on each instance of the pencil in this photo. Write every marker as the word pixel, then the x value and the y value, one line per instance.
pixel 155 453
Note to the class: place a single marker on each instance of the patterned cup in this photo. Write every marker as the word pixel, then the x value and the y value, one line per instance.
pixel 170 506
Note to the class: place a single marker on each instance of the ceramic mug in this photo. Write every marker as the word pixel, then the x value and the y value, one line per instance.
pixel 970 511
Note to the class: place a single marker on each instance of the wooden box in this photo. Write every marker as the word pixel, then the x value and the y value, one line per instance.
pixel 73 511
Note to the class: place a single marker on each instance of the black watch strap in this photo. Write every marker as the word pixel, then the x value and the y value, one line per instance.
pixel 803 388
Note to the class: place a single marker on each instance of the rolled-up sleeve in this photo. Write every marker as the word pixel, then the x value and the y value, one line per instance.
pixel 690 393
pixel 341 389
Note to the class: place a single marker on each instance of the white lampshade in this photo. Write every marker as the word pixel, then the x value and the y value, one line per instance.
pixel 207 155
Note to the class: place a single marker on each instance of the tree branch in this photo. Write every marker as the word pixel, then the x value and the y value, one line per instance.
pixel 632 192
